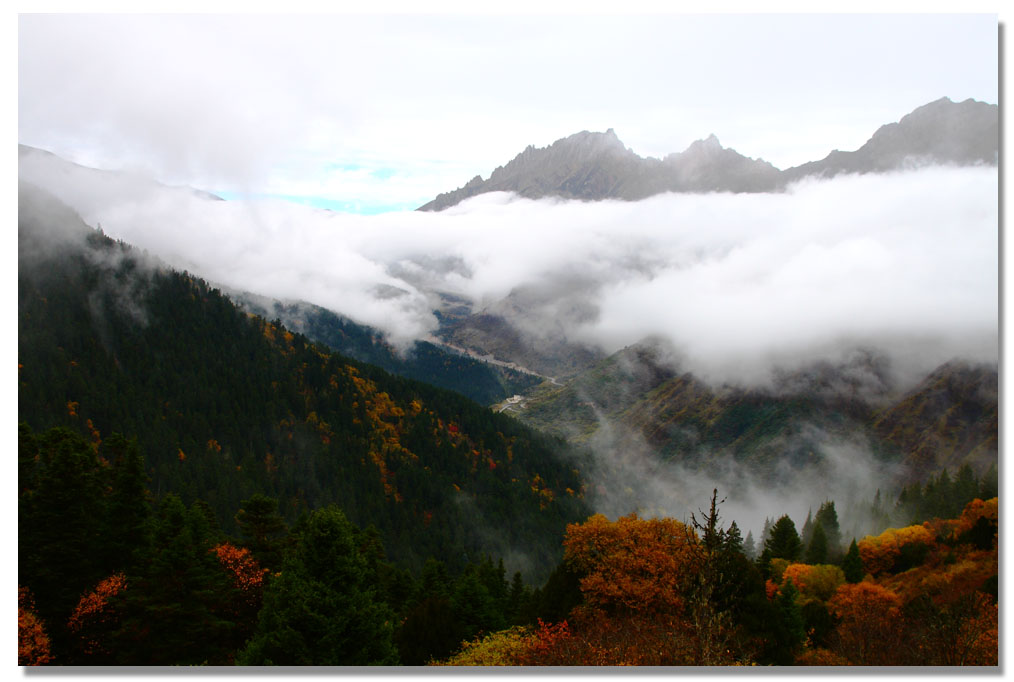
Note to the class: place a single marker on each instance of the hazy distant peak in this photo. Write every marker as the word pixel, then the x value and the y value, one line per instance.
pixel 592 166
pixel 940 132
pixel 592 142
pixel 708 148
pixel 710 143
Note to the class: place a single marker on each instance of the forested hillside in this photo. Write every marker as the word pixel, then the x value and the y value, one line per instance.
pixel 483 382
pixel 225 405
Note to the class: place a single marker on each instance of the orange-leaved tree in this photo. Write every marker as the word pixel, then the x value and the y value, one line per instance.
pixel 247 574
pixel 93 619
pixel 33 642
pixel 633 565
pixel 886 552
pixel 814 581
pixel 867 631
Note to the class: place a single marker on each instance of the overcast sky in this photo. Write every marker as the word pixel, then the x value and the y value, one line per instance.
pixel 373 113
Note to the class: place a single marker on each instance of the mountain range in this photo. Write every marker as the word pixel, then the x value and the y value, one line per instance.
pixel 594 166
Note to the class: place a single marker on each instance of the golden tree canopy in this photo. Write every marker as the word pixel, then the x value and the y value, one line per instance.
pixel 633 564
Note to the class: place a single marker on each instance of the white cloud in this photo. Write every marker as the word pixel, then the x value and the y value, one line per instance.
pixel 906 261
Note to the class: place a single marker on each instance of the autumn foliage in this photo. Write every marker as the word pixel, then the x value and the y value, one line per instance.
pixel 33 642
pixel 595 639
pixel 649 598
pixel 93 614
pixel 246 573
pixel 867 632
pixel 632 564
pixel 881 553
pixel 814 581
pixel 506 647
pixel 96 601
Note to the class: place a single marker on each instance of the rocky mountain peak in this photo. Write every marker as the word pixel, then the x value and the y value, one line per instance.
pixel 710 143
pixel 596 165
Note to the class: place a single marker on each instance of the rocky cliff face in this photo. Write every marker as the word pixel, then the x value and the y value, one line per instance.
pixel 593 166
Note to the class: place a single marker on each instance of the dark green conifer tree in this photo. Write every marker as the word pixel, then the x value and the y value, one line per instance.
pixel 517 599
pixel 61 526
pixel 989 484
pixel 791 628
pixel 852 564
pixel 828 518
pixel 129 509
pixel 784 542
pixel 806 534
pixel 966 489
pixel 816 553
pixel 733 539
pixel 322 610
pixel 750 546
pixel 261 528
pixel 434 580
pixel 475 608
pixel 179 608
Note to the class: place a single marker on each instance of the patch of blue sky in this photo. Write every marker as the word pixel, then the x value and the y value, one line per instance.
pixel 337 205
pixel 381 172
pixel 342 166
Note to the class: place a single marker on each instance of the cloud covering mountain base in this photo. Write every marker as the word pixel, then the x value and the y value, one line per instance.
pixel 904 262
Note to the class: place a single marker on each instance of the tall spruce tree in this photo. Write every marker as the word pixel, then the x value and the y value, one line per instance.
pixel 62 542
pixel 989 484
pixel 807 532
pixel 733 539
pixel 179 608
pixel 852 564
pixel 129 509
pixel 784 542
pixel 322 609
pixel 261 528
pixel 828 518
pixel 749 546
pixel 816 552
pixel 791 628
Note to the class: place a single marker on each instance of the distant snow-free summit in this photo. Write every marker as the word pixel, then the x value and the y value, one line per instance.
pixel 594 166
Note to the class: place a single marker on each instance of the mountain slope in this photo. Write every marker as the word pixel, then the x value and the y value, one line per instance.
pixel 640 395
pixel 480 381
pixel 595 166
pixel 941 132
pixel 225 404
pixel 951 418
